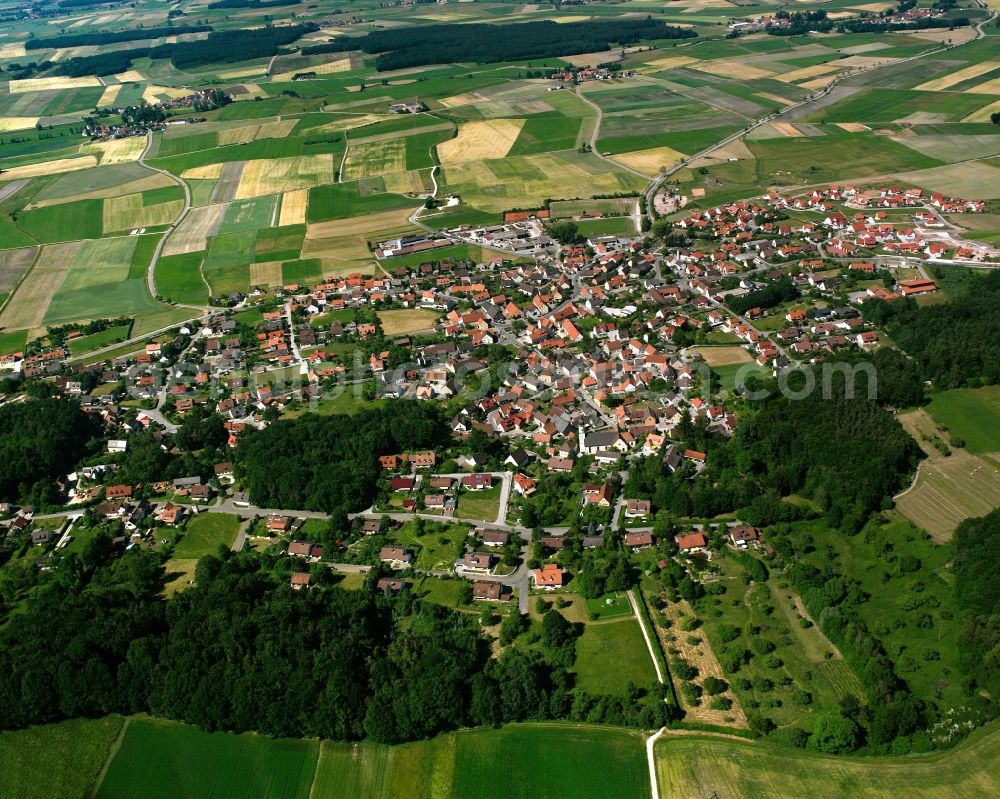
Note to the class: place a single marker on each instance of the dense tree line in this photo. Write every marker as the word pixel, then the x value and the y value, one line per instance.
pixel 955 344
pixel 483 43
pixel 218 47
pixel 977 589
pixel 771 295
pixel 330 463
pixel 40 440
pixel 112 37
pixel 242 651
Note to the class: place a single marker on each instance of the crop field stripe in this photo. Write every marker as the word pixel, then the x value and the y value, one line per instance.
pixel 27 306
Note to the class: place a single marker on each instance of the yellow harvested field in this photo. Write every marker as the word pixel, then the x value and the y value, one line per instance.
pixel 875 7
pixel 276 129
pixel 984 114
pixel 949 80
pixel 155 94
pixel 56 167
pixel 109 96
pixel 340 65
pixel 458 100
pixel 806 73
pixel 153 181
pixel 787 129
pixel 480 140
pixel 992 86
pixel 253 91
pixel 206 172
pixel 47 84
pixel 266 274
pixel 733 69
pixel 293 207
pixel 409 320
pixel 735 149
pixel 816 83
pixel 278 175
pixel 723 356
pixel 243 72
pixel 411 182
pixel 670 62
pixel 17 123
pixel 27 306
pixel 374 158
pixel 650 161
pixel 192 234
pixel 775 98
pixel 866 61
pixel 853 127
pixel 370 223
pixel 12 50
pixel 117 151
pixel 128 213
pixel 348 121
pixel 130 76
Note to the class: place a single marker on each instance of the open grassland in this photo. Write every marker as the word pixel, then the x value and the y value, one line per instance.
pixel 205 533
pixel 541 761
pixel 57 760
pixel 480 140
pixel 410 320
pixel 163 759
pixel 949 489
pixel 691 767
pixel 610 655
pixel 110 335
pixel 972 414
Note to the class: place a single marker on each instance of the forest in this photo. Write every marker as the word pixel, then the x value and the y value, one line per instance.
pixel 483 43
pixel 954 344
pixel 977 589
pixel 219 47
pixel 242 651
pixel 330 463
pixel 773 294
pixel 112 37
pixel 40 440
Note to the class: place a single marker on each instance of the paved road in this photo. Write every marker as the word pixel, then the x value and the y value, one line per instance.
pixel 150 273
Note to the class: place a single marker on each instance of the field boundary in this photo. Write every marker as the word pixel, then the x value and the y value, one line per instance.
pixel 96 787
pixel 24 274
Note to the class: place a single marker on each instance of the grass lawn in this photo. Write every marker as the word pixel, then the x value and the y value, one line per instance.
pixel 13 341
pixel 483 504
pixel 111 335
pixel 168 760
pixel 609 606
pixel 972 414
pixel 611 655
pixel 701 766
pixel 205 532
pixel 438 548
pixel 537 760
pixel 446 591
pixel 57 760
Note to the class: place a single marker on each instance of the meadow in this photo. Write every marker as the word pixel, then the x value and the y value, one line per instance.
pixel 610 655
pixel 205 533
pixel 972 415
pixel 695 766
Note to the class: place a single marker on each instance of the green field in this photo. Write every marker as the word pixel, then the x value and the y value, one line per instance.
pixel 483 504
pixel 178 278
pixel 205 533
pixel 970 414
pixel 540 761
pixel 610 655
pixel 13 341
pixel 699 766
pixel 57 760
pixel 110 335
pixel 161 759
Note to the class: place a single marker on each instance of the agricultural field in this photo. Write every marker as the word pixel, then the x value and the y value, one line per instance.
pixel 57 759
pixel 404 322
pixel 951 484
pixel 970 414
pixel 164 759
pixel 596 762
pixel 694 766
